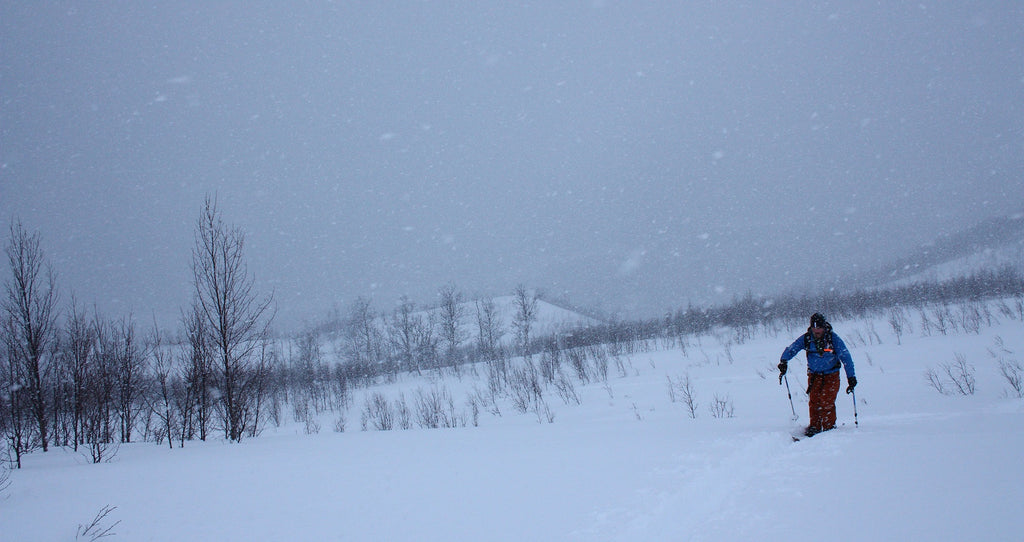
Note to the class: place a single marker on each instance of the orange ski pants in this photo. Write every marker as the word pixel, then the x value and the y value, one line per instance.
pixel 822 390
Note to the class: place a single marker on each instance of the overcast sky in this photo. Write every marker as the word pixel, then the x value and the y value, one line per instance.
pixel 631 156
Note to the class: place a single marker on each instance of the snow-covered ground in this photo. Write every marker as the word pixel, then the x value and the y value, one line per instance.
pixel 1010 255
pixel 548 318
pixel 627 463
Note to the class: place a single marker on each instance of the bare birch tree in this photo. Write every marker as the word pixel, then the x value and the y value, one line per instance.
pixel 196 401
pixel 363 339
pixel 526 314
pixel 15 406
pixel 78 351
pixel 234 317
pixel 130 365
pixel 404 329
pixel 488 323
pixel 30 309
pixel 452 311
pixel 162 401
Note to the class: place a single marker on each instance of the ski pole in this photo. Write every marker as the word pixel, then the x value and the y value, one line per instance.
pixel 854 394
pixel 790 394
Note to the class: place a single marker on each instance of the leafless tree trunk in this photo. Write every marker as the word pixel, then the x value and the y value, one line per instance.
pixel 196 401
pixel 363 342
pixel 77 354
pixel 307 372
pixel 30 307
pixel 60 400
pixel 234 317
pixel 130 365
pixel 162 402
pixel 403 331
pixel 101 385
pixel 258 385
pixel 525 316
pixel 15 405
pixel 452 311
pixel 488 323
pixel 427 343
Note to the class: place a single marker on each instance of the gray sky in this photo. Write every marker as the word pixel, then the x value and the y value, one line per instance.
pixel 632 156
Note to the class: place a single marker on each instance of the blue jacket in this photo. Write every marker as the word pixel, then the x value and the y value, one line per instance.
pixel 822 362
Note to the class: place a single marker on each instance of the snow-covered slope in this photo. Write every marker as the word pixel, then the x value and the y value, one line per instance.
pixel 987 259
pixel 550 317
pixel 989 246
pixel 624 463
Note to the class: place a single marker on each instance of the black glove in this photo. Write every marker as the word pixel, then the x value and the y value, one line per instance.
pixel 783 365
pixel 851 383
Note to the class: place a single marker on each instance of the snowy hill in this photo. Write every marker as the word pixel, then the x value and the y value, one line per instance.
pixel 991 245
pixel 614 455
pixel 551 318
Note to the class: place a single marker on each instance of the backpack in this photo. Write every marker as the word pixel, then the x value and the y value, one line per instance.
pixel 828 346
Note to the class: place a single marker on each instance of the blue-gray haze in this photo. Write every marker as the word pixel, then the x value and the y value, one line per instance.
pixel 630 156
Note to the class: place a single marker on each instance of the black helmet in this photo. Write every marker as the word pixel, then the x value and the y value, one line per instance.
pixel 818 320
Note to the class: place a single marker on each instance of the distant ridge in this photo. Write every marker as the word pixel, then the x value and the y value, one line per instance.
pixel 992 244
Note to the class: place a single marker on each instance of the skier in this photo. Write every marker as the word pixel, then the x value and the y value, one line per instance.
pixel 826 352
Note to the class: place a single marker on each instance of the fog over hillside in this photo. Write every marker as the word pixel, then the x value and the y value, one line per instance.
pixel 628 157
pixel 991 245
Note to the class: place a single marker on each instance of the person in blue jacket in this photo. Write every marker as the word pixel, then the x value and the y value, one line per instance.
pixel 826 354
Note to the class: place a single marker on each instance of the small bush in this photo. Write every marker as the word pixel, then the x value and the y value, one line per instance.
pixel 403 413
pixel 434 409
pixel 98 528
pixel 5 478
pixel 953 378
pixel 721 407
pixel 543 412
pixel 377 413
pixel 566 389
pixel 312 425
pixel 1014 375
pixel 524 388
pixel 682 391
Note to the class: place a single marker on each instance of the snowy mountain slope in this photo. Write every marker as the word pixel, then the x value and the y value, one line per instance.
pixel 988 246
pixel 549 319
pixel 625 463
pixel 1005 256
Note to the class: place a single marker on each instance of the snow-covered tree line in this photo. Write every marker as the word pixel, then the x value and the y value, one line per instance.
pixel 72 377
pixel 78 378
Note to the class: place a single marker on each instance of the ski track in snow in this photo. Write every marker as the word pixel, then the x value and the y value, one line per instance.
pixel 715 472
pixel 755 486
